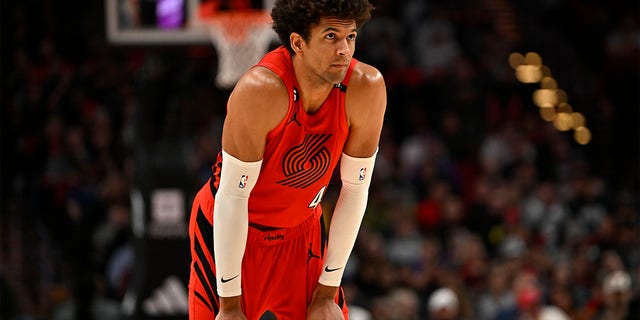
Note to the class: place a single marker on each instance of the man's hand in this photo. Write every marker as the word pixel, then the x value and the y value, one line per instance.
pixel 323 305
pixel 230 309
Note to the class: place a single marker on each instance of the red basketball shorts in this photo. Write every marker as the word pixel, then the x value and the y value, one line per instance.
pixel 280 269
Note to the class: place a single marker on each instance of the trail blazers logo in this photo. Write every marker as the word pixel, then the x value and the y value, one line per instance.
pixel 307 162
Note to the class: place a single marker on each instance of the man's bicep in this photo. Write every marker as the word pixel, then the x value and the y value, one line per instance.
pixel 239 137
pixel 250 117
pixel 366 124
pixel 363 140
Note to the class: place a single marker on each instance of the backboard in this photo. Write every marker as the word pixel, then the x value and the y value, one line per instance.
pixel 167 22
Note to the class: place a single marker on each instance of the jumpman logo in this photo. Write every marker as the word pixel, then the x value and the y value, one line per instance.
pixel 294 118
pixel 310 254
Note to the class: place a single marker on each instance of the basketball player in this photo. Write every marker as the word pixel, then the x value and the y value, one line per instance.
pixel 258 241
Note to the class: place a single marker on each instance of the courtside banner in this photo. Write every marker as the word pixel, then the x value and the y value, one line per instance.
pixel 159 285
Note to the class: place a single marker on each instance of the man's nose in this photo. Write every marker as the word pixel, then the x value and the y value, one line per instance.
pixel 343 48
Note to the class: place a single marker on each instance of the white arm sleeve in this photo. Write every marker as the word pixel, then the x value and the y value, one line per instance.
pixel 231 221
pixel 355 174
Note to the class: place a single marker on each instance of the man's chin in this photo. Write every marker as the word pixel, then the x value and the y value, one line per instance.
pixel 336 78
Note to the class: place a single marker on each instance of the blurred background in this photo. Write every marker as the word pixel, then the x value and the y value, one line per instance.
pixel 506 186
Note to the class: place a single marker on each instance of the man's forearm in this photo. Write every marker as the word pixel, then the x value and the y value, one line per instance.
pixel 347 216
pixel 230 222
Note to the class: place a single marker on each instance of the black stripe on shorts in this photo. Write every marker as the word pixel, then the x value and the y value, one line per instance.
pixel 204 269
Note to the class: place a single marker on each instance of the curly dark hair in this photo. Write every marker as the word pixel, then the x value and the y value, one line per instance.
pixel 300 15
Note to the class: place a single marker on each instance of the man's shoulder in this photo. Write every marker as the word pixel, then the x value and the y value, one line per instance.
pixel 260 80
pixel 366 79
pixel 259 98
pixel 365 74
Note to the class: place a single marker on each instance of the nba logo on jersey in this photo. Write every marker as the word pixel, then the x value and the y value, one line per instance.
pixel 363 172
pixel 243 181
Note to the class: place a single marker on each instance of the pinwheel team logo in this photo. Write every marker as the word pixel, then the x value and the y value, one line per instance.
pixel 307 162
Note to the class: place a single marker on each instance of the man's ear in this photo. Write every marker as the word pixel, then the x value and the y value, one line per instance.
pixel 297 42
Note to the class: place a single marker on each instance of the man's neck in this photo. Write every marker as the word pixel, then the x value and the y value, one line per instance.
pixel 313 89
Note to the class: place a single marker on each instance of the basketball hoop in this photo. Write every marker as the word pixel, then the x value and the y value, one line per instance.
pixel 241 38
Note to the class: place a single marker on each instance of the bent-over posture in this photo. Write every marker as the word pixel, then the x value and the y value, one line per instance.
pixel 258 240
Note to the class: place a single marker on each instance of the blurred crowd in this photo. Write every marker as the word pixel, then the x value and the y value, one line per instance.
pixel 479 209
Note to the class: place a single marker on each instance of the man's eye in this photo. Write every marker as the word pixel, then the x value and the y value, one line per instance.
pixel 351 37
pixel 330 36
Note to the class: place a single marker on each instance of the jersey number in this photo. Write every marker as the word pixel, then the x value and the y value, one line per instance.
pixel 316 200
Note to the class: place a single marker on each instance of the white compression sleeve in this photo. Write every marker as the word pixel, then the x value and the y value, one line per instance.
pixel 231 221
pixel 355 174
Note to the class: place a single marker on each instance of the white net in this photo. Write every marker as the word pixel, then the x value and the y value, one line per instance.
pixel 240 39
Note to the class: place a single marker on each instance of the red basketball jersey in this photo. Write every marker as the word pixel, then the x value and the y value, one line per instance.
pixel 301 152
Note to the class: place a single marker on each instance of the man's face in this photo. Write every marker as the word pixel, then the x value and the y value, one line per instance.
pixel 330 47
